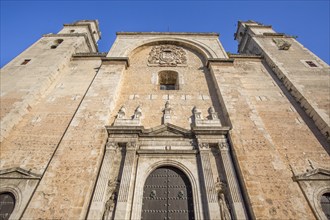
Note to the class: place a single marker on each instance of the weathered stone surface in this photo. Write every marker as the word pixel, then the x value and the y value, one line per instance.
pixel 81 131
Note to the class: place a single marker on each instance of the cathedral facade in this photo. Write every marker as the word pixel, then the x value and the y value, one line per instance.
pixel 165 126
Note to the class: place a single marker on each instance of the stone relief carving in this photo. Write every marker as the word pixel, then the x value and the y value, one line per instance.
pixel 167 55
pixel 221 188
pixel 282 44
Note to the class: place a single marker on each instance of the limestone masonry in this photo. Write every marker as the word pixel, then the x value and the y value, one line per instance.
pixel 165 126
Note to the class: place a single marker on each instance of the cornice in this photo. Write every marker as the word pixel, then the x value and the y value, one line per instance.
pixel 110 60
pixel 170 33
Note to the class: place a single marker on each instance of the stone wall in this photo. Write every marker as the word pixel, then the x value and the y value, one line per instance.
pixel 269 137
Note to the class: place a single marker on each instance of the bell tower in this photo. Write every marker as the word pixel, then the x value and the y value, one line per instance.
pixel 303 74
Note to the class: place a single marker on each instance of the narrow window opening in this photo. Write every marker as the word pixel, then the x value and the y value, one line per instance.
pixel 7 205
pixel 168 80
pixel 25 61
pixel 325 204
pixel 56 43
pixel 311 63
pixel 71 31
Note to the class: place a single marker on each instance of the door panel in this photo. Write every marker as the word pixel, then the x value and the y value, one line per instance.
pixel 167 195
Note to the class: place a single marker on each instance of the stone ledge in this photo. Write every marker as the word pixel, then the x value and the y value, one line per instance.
pixel 115 60
pixel 167 152
pixel 245 56
pixel 221 61
pixel 211 130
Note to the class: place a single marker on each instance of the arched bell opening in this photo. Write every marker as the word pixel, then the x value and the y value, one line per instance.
pixel 167 194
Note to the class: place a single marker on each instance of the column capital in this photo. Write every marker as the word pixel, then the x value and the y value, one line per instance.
pixel 223 145
pixel 111 145
pixel 203 146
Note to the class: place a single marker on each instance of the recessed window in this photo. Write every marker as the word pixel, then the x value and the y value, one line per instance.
pixel 7 205
pixel 311 63
pixel 25 61
pixel 325 204
pixel 71 31
pixel 56 43
pixel 168 80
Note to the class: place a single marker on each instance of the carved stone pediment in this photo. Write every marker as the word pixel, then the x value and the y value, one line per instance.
pixel 167 55
pixel 18 173
pixel 167 130
pixel 315 174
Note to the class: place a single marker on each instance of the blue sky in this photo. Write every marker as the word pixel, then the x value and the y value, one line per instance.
pixel 24 22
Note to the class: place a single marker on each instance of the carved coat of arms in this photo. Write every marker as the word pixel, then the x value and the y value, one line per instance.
pixel 167 55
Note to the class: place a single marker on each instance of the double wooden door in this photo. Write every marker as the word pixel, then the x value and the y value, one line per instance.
pixel 167 195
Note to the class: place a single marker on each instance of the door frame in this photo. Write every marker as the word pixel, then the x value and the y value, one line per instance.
pixel 146 165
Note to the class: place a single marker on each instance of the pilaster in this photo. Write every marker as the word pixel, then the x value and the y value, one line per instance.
pixel 212 211
pixel 125 190
pixel 235 194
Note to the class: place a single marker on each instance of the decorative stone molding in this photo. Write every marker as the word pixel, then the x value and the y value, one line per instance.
pixel 121 112
pixel 203 146
pixel 197 113
pixel 112 145
pixel 223 146
pixel 213 113
pixel 131 145
pixel 137 113
pixel 21 184
pixel 282 44
pixel 212 119
pixel 135 121
pixel 314 183
pixel 167 55
pixel 18 173
pixel 314 174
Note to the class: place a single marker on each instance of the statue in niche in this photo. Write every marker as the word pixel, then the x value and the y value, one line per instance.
pixel 110 204
pixel 221 188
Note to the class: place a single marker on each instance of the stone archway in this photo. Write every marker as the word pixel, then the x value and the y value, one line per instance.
pixel 167 194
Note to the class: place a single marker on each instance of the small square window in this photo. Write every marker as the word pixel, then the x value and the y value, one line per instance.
pixel 168 80
pixel 25 61
pixel 311 63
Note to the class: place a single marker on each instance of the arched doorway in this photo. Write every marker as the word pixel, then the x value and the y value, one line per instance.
pixel 167 194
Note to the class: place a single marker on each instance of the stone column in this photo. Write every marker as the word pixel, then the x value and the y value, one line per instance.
pixel 125 191
pixel 234 191
pixel 213 211
pixel 103 185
